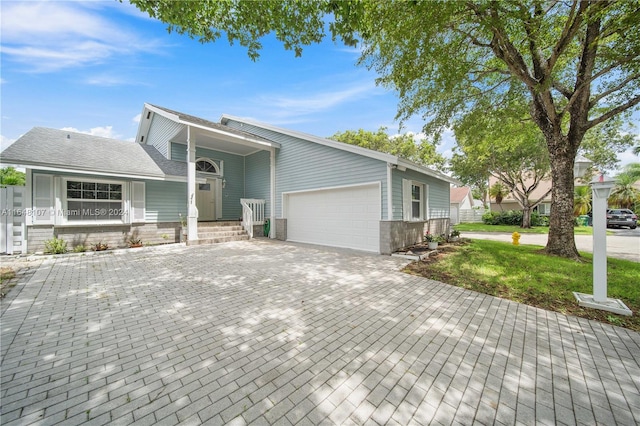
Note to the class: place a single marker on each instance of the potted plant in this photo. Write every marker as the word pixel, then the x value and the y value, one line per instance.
pixel 135 242
pixel 455 235
pixel 100 246
pixel 432 240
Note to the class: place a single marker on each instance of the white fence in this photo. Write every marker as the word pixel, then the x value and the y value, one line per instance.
pixel 470 215
pixel 12 220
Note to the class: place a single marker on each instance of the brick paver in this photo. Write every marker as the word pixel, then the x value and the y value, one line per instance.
pixel 266 332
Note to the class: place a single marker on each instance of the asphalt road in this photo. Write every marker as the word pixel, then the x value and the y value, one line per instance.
pixel 624 244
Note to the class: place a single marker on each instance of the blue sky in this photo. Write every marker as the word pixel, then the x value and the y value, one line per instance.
pixel 90 66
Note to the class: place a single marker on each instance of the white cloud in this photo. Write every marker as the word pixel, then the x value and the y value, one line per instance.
pixel 50 36
pixel 5 142
pixel 287 110
pixel 103 131
pixel 137 118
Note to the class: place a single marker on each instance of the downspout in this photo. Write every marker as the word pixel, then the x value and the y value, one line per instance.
pixel 272 202
pixel 192 210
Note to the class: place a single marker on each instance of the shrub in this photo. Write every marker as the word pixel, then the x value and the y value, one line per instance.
pixel 55 246
pixel 514 218
pixel 79 249
pixel 490 217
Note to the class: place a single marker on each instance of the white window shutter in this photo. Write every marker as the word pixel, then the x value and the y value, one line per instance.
pixel 43 199
pixel 425 202
pixel 137 202
pixel 406 200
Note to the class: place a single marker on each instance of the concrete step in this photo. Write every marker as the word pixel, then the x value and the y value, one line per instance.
pixel 199 241
pixel 218 224
pixel 202 234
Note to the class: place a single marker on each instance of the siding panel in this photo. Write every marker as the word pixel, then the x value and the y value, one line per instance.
pixel 301 165
pixel 438 196
pixel 165 201
pixel 258 178
pixel 160 133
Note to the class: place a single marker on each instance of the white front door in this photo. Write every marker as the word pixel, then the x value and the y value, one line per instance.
pixel 206 200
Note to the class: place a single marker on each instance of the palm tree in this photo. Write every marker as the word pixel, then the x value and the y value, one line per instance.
pixel 581 200
pixel 498 191
pixel 624 194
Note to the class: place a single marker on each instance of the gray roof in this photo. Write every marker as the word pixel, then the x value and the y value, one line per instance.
pixel 211 124
pixel 62 149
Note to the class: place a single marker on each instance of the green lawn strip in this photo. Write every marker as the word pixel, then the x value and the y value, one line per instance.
pixel 483 227
pixel 524 274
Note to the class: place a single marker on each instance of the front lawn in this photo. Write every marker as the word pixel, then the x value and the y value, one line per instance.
pixel 524 274
pixel 483 227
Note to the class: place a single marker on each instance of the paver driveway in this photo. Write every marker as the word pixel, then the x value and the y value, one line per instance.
pixel 267 332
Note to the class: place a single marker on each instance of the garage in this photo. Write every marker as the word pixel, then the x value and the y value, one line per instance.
pixel 339 217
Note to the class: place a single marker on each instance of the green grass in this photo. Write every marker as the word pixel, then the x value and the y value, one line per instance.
pixel 483 227
pixel 524 274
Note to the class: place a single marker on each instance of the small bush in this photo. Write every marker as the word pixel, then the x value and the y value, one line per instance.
pixel 491 217
pixel 538 220
pixel 55 246
pixel 79 249
pixel 100 246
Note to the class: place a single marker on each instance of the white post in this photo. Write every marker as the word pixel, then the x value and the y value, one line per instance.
pixel 272 201
pixel 192 211
pixel 389 191
pixel 601 189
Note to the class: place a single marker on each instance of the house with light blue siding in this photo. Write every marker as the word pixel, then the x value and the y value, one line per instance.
pixel 187 178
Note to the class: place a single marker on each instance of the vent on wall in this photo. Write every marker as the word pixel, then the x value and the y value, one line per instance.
pixel 141 138
pixel 148 114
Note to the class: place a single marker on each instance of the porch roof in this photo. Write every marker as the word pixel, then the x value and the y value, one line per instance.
pixel 61 150
pixel 205 133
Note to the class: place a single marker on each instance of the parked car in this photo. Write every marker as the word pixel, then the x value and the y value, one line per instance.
pixel 621 217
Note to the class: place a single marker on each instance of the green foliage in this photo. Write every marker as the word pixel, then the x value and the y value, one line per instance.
pixel 79 249
pixel 582 200
pixel 513 218
pixel 526 275
pixel 11 176
pixel 625 194
pixel 498 191
pixel 55 246
pixel 404 145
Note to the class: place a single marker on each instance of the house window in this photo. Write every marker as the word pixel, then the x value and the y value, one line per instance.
pixel 89 201
pixel 204 165
pixel 543 209
pixel 416 202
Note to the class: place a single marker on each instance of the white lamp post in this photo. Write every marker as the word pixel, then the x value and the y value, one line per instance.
pixel 601 188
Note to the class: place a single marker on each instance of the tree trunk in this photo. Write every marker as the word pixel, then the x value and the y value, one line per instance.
pixel 526 216
pixel 561 240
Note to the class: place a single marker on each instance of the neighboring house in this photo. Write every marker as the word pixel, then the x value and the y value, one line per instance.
pixel 313 190
pixel 460 199
pixel 510 203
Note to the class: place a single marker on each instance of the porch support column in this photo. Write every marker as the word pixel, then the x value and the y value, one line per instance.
pixel 272 201
pixel 390 168
pixel 192 210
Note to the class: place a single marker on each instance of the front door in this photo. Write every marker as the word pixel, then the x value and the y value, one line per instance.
pixel 206 200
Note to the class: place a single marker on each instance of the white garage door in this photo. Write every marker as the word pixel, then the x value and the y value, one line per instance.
pixel 339 217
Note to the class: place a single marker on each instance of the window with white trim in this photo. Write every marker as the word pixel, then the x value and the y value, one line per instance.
pixel 205 165
pixel 543 209
pixel 414 196
pixel 94 201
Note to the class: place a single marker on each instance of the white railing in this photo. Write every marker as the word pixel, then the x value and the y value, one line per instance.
pixel 252 214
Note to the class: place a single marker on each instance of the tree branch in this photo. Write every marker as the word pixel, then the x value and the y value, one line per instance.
pixel 606 93
pixel 612 112
pixel 568 33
